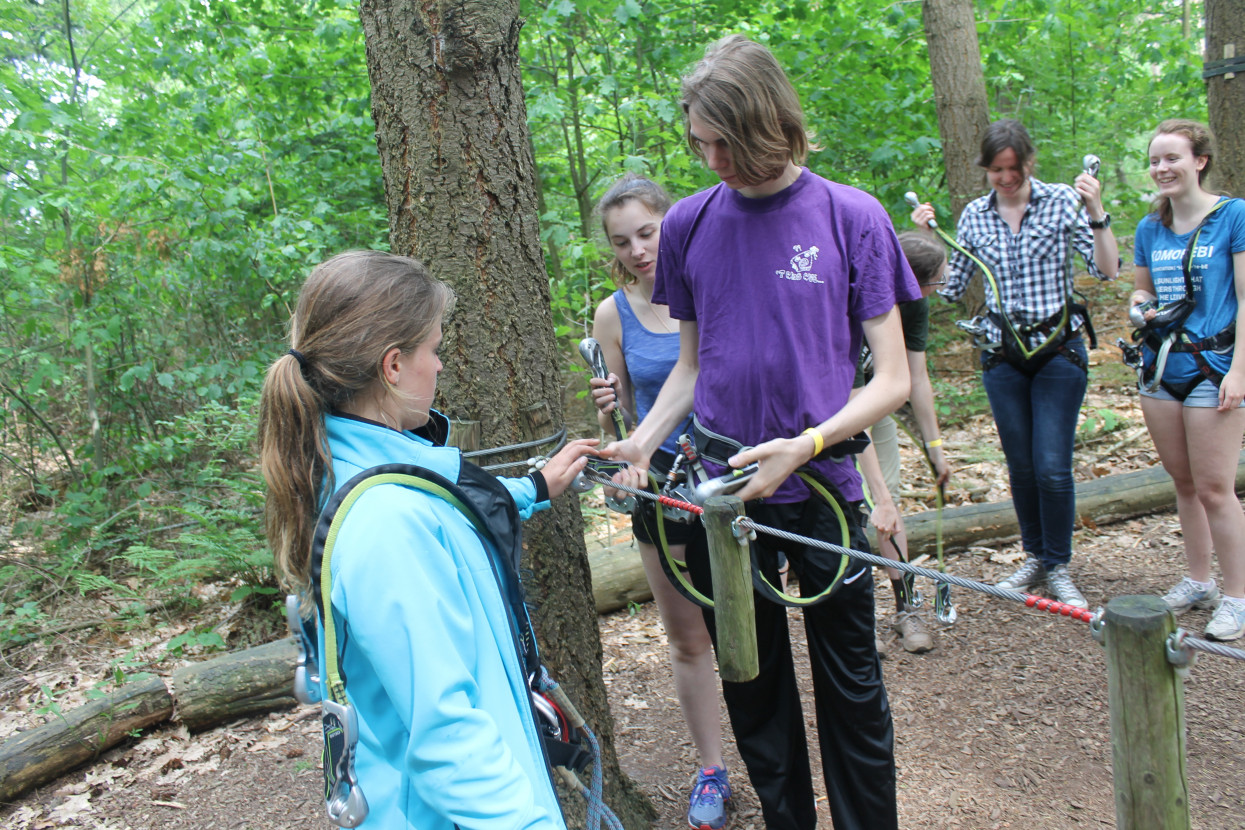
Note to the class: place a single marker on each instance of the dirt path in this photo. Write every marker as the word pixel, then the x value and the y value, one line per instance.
pixel 1005 724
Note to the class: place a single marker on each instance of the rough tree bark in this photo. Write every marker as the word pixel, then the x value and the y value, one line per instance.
pixel 960 100
pixel 451 128
pixel 1225 93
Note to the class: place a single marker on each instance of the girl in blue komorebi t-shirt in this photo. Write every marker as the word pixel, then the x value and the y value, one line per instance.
pixel 1197 425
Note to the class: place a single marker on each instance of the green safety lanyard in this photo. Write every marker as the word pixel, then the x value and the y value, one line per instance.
pixel 998 295
pixel 333 679
pixel 674 569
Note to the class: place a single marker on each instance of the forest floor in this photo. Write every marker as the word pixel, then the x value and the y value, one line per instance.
pixel 1005 724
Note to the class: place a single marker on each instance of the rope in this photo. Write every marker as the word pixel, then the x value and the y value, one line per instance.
pixel 558 439
pixel 598 810
pixel 1040 603
pixel 1213 648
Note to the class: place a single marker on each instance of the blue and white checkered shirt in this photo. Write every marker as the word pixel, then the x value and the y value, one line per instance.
pixel 1032 267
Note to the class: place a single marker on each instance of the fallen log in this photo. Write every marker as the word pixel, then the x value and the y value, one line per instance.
pixel 618 578
pixel 236 685
pixel 36 756
pixel 1098 501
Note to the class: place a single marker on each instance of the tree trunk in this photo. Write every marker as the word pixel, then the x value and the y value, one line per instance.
pixel 960 100
pixel 451 128
pixel 1225 93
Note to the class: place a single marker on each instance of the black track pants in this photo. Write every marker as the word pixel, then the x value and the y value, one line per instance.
pixel 853 715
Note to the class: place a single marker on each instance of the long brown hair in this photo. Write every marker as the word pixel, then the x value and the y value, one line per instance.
pixel 741 93
pixel 644 191
pixel 1202 142
pixel 352 310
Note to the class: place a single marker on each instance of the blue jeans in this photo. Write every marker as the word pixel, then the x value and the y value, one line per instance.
pixel 1036 418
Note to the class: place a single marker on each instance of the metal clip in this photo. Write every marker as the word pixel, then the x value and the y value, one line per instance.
pixel 623 505
pixel 1131 353
pixel 1097 628
pixel 306 673
pixel 742 534
pixel 580 483
pixel 678 514
pixel 943 609
pixel 1180 655
pixel 976 326
pixel 343 801
pixel 547 715
pixel 696 470
pixel 728 483
pixel 1091 164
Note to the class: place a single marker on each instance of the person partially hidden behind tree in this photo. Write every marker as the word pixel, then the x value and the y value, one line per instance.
pixel 775 276
pixel 879 463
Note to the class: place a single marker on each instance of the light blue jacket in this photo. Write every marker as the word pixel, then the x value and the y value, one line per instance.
pixel 446 733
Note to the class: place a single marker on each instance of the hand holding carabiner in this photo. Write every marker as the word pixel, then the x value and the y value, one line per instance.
pixel 922 214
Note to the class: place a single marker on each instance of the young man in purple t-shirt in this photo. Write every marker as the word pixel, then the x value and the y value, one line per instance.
pixel 775 275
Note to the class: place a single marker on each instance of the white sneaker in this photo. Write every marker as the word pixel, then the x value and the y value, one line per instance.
pixel 1064 589
pixel 1188 594
pixel 1228 623
pixel 1026 576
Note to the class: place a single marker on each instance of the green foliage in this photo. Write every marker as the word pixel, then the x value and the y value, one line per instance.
pixel 958 402
pixel 199 640
pixel 172 170
pixel 18 624
pixel 1100 422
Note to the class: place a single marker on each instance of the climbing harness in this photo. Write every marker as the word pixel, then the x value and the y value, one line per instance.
pixel 1165 333
pixel 686 488
pixel 1013 347
pixel 568 744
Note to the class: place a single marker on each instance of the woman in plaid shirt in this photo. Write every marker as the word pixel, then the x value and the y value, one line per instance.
pixel 1034 364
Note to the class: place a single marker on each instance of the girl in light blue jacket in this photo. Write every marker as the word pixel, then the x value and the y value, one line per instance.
pixel 427 637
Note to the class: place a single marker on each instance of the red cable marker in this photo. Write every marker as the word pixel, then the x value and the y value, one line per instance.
pixel 1056 607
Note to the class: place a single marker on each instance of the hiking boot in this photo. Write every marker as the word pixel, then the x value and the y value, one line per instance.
pixel 914 635
pixel 1030 573
pixel 707 805
pixel 880 645
pixel 1228 623
pixel 1188 594
pixel 1061 585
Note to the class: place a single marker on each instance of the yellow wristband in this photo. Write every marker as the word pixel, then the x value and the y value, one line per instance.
pixel 819 443
pixel 937 442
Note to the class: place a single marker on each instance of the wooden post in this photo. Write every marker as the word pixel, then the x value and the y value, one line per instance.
pixel 733 607
pixel 1147 716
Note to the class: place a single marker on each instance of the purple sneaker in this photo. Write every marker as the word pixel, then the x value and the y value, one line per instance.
pixel 707 807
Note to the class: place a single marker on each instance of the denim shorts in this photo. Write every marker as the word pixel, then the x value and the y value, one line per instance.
pixel 1205 394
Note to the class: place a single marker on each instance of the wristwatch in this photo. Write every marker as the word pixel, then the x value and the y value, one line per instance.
pixel 1100 224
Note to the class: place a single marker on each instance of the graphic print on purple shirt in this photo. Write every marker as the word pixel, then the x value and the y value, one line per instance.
pixel 778 287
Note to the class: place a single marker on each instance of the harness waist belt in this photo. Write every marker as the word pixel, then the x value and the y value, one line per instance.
pixel 1214 343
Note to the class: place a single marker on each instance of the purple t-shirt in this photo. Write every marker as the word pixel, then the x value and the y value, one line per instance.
pixel 778 287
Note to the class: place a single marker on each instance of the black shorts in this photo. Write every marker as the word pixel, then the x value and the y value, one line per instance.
pixel 644 519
